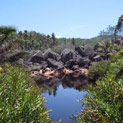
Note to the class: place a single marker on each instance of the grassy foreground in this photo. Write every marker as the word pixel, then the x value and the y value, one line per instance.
pixel 104 103
pixel 20 99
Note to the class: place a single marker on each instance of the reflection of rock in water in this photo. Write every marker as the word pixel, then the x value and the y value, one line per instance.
pixel 67 81
pixel 48 84
pixel 74 82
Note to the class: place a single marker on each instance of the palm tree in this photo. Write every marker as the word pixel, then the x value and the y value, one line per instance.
pixel 119 25
pixel 107 47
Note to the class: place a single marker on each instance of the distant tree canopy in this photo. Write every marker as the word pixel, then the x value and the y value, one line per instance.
pixel 7 30
pixel 32 40
pixel 109 31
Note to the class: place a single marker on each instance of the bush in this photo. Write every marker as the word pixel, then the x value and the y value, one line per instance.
pixel 104 103
pixel 98 70
pixel 20 99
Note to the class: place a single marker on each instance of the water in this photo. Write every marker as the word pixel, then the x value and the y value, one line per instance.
pixel 62 96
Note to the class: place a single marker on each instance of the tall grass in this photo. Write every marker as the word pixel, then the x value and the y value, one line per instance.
pixel 20 99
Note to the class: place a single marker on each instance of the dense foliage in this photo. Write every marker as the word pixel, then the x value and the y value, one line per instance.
pixel 20 99
pixel 98 70
pixel 104 103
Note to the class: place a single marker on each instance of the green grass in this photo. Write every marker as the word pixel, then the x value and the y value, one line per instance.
pixel 20 99
pixel 104 103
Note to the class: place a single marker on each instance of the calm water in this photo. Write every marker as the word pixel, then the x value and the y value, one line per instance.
pixel 62 96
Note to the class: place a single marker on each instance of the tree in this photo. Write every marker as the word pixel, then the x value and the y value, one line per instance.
pixel 20 34
pixel 73 41
pixel 25 34
pixel 108 32
pixel 119 25
pixel 53 38
pixel 7 31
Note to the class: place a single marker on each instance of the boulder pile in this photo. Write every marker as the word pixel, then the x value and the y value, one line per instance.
pixel 69 62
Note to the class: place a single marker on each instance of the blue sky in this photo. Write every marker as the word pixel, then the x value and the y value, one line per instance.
pixel 66 18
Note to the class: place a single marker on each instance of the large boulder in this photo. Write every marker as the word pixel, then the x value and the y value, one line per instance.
pixel 80 50
pixel 52 55
pixel 67 55
pixel 35 66
pixel 98 56
pixel 83 62
pixel 78 60
pixel 53 63
pixel 70 63
pixel 37 57
pixel 84 51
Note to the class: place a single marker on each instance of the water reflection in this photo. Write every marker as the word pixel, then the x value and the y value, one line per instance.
pixel 67 81
pixel 61 95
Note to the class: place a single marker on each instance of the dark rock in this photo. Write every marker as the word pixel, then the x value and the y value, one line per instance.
pixel 75 67
pixel 88 51
pixel 35 66
pixel 37 57
pixel 70 63
pixel 85 62
pixel 60 67
pixel 96 46
pixel 80 50
pixel 84 51
pixel 81 62
pixel 97 54
pixel 67 55
pixel 97 58
pixel 52 55
pixel 53 63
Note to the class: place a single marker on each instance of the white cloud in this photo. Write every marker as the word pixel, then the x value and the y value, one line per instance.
pixel 58 36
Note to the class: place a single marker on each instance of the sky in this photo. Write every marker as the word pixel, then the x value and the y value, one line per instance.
pixel 66 18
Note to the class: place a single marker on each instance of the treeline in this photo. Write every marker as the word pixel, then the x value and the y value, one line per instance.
pixel 32 40
pixel 36 41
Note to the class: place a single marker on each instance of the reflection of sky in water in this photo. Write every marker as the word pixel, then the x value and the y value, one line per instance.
pixel 64 104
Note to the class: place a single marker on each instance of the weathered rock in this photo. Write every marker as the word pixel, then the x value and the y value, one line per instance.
pixel 99 54
pixel 88 51
pixel 81 62
pixel 35 66
pixel 53 63
pixel 80 50
pixel 70 63
pixel 97 58
pixel 84 51
pixel 67 55
pixel 75 67
pixel 52 55
pixel 37 57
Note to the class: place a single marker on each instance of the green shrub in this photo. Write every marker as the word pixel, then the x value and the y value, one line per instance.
pixel 104 103
pixel 57 50
pixel 98 70
pixel 20 99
